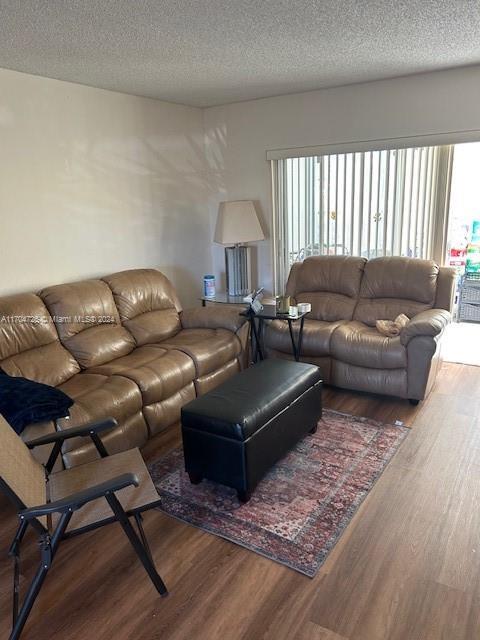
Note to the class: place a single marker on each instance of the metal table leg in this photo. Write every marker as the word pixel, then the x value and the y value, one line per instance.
pixel 300 338
pixel 257 352
pixel 296 346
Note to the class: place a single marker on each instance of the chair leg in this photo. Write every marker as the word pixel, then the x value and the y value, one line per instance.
pixel 14 551
pixel 29 601
pixel 143 537
pixel 136 544
pixel 48 550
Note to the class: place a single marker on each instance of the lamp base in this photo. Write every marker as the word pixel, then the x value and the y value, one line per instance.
pixel 238 269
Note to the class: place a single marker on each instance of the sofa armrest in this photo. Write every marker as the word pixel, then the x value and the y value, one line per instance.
pixel 427 323
pixel 215 317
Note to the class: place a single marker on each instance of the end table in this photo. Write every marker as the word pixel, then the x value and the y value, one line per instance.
pixel 223 298
pixel 269 312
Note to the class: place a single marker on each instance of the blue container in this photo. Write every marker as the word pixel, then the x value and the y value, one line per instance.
pixel 209 286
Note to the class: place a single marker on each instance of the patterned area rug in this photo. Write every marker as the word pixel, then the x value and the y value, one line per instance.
pixel 303 505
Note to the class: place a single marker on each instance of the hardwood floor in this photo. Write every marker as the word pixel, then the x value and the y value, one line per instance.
pixel 406 568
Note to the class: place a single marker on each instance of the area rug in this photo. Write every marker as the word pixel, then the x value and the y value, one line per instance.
pixel 302 506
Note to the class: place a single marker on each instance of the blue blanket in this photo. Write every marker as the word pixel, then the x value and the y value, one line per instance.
pixel 24 401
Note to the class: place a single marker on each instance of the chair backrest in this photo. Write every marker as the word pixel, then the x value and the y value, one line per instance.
pixel 23 475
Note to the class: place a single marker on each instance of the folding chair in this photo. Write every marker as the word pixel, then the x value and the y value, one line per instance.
pixel 59 505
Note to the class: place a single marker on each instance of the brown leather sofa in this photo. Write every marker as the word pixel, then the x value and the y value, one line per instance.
pixel 120 346
pixel 348 295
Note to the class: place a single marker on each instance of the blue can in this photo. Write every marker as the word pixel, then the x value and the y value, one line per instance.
pixel 209 286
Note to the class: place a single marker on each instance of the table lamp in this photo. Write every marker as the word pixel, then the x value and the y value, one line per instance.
pixel 237 223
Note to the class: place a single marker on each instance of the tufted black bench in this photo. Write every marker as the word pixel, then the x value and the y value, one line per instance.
pixel 235 433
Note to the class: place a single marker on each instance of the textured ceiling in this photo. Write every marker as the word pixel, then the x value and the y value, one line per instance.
pixel 207 52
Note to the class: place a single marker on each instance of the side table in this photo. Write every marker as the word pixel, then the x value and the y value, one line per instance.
pixel 257 321
pixel 223 298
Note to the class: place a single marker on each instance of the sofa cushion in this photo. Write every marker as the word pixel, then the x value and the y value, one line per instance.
pixel 392 382
pixel 209 349
pixel 87 321
pixel 328 307
pixel 315 341
pixel 161 415
pixel 214 317
pixel 369 311
pixel 330 283
pixel 209 381
pixel 395 285
pixel 147 304
pixel 158 372
pixel 29 344
pixel 334 274
pixel 131 433
pixel 97 396
pixel 357 343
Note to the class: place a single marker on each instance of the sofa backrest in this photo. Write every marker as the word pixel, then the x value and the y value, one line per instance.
pixel 394 285
pixel 147 302
pixel 330 283
pixel 88 322
pixel 29 343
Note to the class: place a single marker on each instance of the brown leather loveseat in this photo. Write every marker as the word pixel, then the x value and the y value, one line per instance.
pixel 120 346
pixel 348 295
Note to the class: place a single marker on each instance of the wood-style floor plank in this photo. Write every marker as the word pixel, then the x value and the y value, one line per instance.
pixel 406 568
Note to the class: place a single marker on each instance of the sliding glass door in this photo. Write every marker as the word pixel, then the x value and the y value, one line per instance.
pixel 374 203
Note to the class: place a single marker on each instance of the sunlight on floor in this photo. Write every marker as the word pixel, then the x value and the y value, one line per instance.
pixel 462 343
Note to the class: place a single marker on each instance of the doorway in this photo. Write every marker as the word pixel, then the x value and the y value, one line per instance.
pixel 462 342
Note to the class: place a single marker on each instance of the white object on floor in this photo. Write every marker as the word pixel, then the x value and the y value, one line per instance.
pixel 462 343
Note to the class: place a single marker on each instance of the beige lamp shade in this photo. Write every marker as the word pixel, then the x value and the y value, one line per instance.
pixel 237 222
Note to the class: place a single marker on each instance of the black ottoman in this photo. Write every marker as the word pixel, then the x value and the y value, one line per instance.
pixel 235 433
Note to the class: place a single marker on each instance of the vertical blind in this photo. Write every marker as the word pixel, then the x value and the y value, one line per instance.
pixel 374 203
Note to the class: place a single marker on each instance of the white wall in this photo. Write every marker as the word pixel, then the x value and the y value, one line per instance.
pixel 93 181
pixel 238 135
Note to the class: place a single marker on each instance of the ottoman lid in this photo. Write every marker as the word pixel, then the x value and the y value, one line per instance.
pixel 243 404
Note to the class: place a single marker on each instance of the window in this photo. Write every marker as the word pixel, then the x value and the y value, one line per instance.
pixel 373 203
